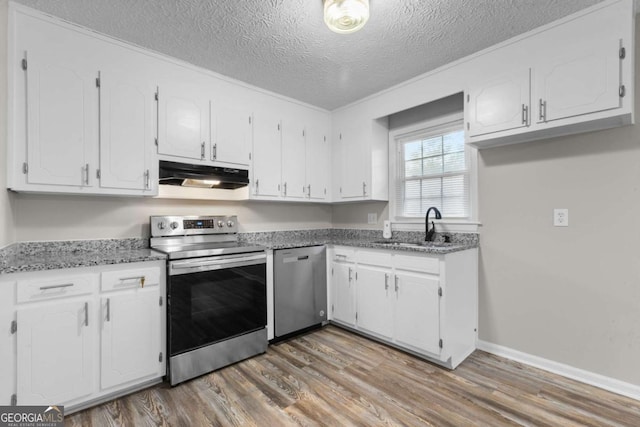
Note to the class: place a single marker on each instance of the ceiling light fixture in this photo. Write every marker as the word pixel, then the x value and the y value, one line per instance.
pixel 346 16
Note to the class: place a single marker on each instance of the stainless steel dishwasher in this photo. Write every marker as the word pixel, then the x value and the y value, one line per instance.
pixel 300 289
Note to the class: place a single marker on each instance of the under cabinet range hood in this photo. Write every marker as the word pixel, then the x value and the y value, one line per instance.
pixel 201 176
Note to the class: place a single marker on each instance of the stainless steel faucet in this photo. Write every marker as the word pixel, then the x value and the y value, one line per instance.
pixel 428 234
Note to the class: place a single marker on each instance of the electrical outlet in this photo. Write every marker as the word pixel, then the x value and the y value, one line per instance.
pixel 373 218
pixel 561 217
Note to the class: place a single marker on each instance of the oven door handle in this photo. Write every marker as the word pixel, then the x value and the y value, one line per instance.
pixel 217 264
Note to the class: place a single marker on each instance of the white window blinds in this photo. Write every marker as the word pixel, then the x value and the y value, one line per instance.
pixel 433 170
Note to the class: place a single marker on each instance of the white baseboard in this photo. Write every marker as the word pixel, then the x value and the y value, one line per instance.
pixel 596 380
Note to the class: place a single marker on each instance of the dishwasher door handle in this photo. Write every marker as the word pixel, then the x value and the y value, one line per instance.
pixel 295 259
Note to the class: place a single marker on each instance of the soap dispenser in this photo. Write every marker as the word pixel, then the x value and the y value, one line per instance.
pixel 386 230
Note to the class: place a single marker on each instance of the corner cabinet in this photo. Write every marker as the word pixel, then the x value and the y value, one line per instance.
pixel 361 156
pixel 579 77
pixel 422 303
pixel 82 335
pixel 291 157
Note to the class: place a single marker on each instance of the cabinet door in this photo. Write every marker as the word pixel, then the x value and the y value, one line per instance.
pixel 417 320
pixel 130 336
pixel 318 163
pixel 266 155
pixel 579 81
pixel 126 132
pixel 343 293
pixel 353 163
pixel 231 134
pixel 183 122
pixel 374 299
pixel 503 103
pixel 55 352
pixel 62 104
pixel 293 159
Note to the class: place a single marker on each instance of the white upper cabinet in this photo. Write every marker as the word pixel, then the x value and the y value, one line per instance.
pixel 267 159
pixel 293 159
pixel 62 108
pixel 231 133
pixel 318 161
pixel 183 121
pixel 127 109
pixel 361 153
pixel 500 104
pixel 581 80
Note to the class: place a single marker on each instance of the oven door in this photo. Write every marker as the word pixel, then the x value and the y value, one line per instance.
pixel 215 298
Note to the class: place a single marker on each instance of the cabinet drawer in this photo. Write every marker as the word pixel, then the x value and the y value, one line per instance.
pixel 425 264
pixel 377 258
pixel 57 287
pixel 127 279
pixel 343 254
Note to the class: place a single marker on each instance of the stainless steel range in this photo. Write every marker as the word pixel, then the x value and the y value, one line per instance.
pixel 216 293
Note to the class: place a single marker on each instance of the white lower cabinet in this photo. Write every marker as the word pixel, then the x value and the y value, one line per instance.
pixel 423 303
pixel 54 352
pixel 130 336
pixel 83 335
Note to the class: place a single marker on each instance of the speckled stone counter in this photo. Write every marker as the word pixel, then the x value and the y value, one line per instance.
pixel 363 239
pixel 40 256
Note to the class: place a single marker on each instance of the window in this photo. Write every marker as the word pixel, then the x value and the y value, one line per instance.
pixel 433 167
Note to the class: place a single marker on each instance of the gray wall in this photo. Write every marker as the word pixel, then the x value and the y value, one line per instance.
pixel 570 294
pixel 7 234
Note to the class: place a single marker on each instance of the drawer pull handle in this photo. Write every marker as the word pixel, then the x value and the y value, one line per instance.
pixel 108 309
pixel 140 278
pixel 86 314
pixel 66 285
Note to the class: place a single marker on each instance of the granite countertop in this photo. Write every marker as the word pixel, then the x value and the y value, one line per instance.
pixel 401 241
pixel 41 256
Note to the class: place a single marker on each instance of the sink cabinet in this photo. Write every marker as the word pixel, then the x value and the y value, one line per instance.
pixel 422 303
pixel 82 335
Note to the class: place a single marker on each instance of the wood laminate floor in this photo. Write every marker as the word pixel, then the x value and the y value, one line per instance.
pixel 332 377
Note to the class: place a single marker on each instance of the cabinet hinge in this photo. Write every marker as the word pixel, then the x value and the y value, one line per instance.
pixel 325 191
pixel 325 139
pixel 303 133
pixel 98 173
pixel 160 357
pixel 25 168
pixel 468 126
pixel 156 95
pixel 332 271
pixel 24 64
pixel 356 315
pixel 97 81
pixel 468 98
pixel 278 126
pixel 14 399
pixel 440 343
pixel 439 292
pixel 156 141
pixel 249 119
pixel 160 301
pixel 622 91
pixel 622 53
pixel 356 275
pixel 249 156
pixel 14 326
pixel 332 308
pixel 340 190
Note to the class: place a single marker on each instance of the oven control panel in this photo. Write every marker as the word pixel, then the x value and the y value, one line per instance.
pixel 192 225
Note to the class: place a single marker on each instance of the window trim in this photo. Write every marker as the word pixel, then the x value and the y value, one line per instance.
pixel 401 223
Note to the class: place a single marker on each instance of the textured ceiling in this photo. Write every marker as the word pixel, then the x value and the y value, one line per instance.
pixel 284 46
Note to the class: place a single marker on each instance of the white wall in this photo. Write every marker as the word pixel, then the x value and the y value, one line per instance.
pixel 7 234
pixel 55 217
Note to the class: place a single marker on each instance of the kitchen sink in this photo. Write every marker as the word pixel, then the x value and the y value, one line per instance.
pixel 414 244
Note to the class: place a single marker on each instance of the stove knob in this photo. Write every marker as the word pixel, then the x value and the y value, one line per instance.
pixel 174 225
pixel 161 225
pixel 220 224
pixel 229 223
